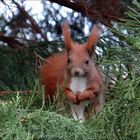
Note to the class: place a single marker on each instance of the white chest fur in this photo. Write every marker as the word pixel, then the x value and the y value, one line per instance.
pixel 78 84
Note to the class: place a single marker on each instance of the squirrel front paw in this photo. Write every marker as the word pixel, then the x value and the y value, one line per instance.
pixel 85 95
pixel 71 96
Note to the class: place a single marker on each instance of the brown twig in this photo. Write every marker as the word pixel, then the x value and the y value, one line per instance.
pixel 35 26
pixel 15 92
pixel 97 10
pixel 11 41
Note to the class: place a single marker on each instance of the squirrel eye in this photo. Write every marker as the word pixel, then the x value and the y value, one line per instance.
pixel 87 61
pixel 69 61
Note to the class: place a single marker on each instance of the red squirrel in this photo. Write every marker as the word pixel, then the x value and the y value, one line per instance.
pixel 76 68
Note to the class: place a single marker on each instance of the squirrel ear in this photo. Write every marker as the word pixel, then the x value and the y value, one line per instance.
pixel 67 35
pixel 93 39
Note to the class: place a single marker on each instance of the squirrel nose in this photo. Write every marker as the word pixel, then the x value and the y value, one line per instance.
pixel 76 73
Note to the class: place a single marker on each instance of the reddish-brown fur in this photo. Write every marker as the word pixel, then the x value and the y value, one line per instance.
pixel 58 70
pixel 52 72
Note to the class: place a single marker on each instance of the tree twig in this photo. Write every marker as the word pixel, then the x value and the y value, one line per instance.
pixel 33 22
pixel 11 41
pixel 97 10
pixel 15 92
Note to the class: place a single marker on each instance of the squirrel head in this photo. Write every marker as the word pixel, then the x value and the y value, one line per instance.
pixel 79 55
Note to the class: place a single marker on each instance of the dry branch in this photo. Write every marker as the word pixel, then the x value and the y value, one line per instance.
pixel 97 10
pixel 15 92
pixel 11 41
pixel 35 26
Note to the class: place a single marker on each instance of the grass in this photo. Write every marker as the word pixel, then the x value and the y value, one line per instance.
pixel 29 118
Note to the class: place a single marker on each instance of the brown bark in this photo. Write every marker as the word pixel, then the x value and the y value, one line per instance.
pixel 11 41
pixel 35 26
pixel 97 10
pixel 4 92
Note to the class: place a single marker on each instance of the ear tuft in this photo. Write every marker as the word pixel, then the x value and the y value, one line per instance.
pixel 67 35
pixel 93 39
